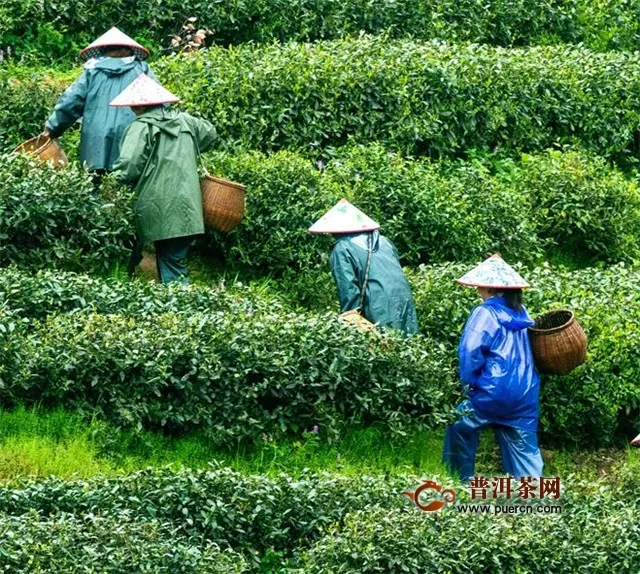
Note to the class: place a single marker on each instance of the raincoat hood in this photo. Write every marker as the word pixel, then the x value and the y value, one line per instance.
pixel 167 120
pixel 112 66
pixel 507 317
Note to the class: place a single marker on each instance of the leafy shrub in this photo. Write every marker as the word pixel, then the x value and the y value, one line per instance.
pixel 420 98
pixel 580 204
pixel 435 211
pixel 28 97
pixel 58 31
pixel 428 99
pixel 284 198
pixel 571 202
pixel 337 517
pixel 398 541
pixel 36 295
pixel 234 375
pixel 243 512
pixel 80 544
pixel 54 218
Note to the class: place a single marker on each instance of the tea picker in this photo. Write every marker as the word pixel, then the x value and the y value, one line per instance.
pixel 112 62
pixel 372 288
pixel 159 158
pixel 497 371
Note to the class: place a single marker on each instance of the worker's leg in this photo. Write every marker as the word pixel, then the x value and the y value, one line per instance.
pixel 519 451
pixel 136 256
pixel 170 256
pixel 461 442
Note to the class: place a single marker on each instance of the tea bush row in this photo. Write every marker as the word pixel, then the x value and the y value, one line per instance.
pixel 80 544
pixel 51 33
pixel 235 376
pixel 56 218
pixel 594 405
pixel 601 536
pixel 428 98
pixel 59 31
pixel 433 99
pixel 571 202
pixel 327 515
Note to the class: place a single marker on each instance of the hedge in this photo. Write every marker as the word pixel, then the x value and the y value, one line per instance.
pixel 421 98
pixel 235 376
pixel 52 32
pixel 55 218
pixel 59 31
pixel 337 517
pixel 249 356
pixel 601 536
pixel 572 202
pixel 81 544
pixel 431 99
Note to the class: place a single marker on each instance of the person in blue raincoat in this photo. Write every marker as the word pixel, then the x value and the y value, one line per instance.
pixel 499 375
pixel 113 61
pixel 366 268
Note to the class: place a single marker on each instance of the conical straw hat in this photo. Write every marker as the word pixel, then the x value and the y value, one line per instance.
pixel 111 39
pixel 493 273
pixel 343 218
pixel 143 91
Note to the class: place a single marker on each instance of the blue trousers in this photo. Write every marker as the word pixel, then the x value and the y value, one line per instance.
pixel 518 448
pixel 170 256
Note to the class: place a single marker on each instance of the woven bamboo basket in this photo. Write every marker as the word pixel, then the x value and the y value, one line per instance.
pixel 358 321
pixel 45 148
pixel 222 202
pixel 559 344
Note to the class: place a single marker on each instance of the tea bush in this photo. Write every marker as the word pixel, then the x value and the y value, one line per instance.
pixel 60 30
pixel 235 376
pixel 89 543
pixel 336 518
pixel 572 202
pixel 36 295
pixel 420 98
pixel 244 512
pixel 604 536
pixel 54 218
pixel 431 98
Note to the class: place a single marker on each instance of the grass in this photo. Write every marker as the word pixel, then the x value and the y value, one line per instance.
pixel 41 443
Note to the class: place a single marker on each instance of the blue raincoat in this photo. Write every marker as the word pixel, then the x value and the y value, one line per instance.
pixel 496 367
pixel 102 79
pixel 496 362
pixel 388 300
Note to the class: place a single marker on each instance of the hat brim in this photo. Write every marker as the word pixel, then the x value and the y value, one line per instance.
pixel 465 284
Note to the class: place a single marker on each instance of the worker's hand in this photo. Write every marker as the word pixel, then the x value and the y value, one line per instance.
pixel 46 133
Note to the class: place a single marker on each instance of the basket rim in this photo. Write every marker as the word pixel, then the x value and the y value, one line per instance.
pixel 44 146
pixel 568 323
pixel 217 179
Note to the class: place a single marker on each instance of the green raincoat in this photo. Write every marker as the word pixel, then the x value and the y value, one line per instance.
pixel 388 300
pixel 88 97
pixel 159 157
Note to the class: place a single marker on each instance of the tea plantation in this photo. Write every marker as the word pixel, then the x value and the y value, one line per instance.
pixel 235 425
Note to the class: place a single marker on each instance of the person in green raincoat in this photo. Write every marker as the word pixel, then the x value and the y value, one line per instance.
pixel 113 61
pixel 159 157
pixel 366 268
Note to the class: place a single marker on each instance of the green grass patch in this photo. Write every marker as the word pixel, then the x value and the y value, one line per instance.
pixel 40 443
